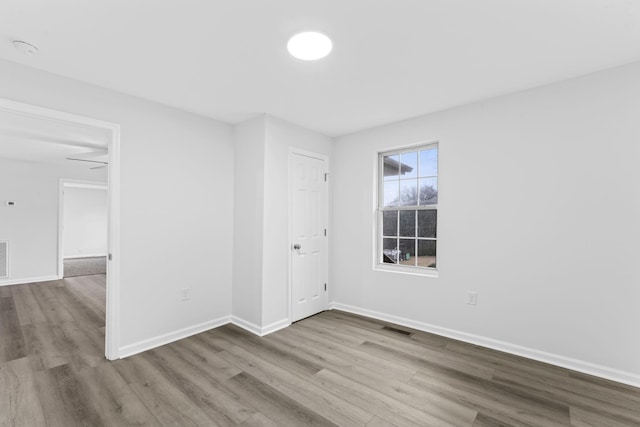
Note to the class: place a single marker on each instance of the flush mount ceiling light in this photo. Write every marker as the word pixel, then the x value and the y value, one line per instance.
pixel 309 46
pixel 25 48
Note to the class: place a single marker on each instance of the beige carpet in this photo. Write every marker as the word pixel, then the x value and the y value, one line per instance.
pixel 85 266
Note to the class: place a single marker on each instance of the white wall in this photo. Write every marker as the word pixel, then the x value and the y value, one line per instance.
pixel 281 136
pixel 261 209
pixel 248 226
pixel 85 222
pixel 177 188
pixel 539 213
pixel 31 225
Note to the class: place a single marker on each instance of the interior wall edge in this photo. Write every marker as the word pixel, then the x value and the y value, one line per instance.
pixel 582 366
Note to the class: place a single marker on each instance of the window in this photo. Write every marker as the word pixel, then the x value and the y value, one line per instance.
pixel 408 208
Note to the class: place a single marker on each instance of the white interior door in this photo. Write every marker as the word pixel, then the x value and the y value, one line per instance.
pixel 309 258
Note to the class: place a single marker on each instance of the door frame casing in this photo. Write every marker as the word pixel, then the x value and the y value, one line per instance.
pixel 68 182
pixel 112 321
pixel 300 152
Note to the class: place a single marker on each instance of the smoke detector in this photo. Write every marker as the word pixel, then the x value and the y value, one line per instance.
pixel 25 47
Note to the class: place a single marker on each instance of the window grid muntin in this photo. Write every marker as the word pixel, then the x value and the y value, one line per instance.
pixel 381 208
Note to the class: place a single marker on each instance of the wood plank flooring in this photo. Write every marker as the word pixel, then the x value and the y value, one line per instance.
pixel 331 369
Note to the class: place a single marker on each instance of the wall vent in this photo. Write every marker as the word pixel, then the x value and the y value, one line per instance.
pixel 396 330
pixel 4 258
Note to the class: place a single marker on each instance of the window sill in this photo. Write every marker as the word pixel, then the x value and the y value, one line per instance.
pixel 412 271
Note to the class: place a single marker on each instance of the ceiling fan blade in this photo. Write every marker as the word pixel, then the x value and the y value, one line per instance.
pixel 93 154
pixel 87 160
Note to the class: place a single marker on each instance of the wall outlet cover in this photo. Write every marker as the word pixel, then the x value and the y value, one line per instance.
pixel 472 298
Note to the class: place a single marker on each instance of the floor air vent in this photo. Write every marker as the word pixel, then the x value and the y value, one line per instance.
pixel 396 330
pixel 4 258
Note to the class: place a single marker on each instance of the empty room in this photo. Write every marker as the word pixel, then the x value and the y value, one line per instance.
pixel 335 213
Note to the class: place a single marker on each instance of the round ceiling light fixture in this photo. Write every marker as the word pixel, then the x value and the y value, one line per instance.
pixel 309 46
pixel 25 48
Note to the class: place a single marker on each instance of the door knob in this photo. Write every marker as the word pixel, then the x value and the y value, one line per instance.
pixel 297 246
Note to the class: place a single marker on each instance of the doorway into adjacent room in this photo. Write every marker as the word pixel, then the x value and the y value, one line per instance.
pixel 83 228
pixel 44 154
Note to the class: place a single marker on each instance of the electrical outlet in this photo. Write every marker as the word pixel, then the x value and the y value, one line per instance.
pixel 185 294
pixel 472 298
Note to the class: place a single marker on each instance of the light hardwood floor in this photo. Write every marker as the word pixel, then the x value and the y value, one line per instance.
pixel 331 369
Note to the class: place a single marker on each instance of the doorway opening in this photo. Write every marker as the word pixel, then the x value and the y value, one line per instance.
pixel 83 228
pixel 30 133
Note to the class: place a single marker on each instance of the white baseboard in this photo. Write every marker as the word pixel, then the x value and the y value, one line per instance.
pixel 530 353
pixel 246 325
pixel 7 282
pixel 84 256
pixel 275 326
pixel 260 330
pixel 148 344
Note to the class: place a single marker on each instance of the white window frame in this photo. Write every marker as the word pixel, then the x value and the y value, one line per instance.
pixel 380 209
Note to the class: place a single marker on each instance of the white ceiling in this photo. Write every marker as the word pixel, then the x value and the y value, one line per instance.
pixel 391 60
pixel 27 138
